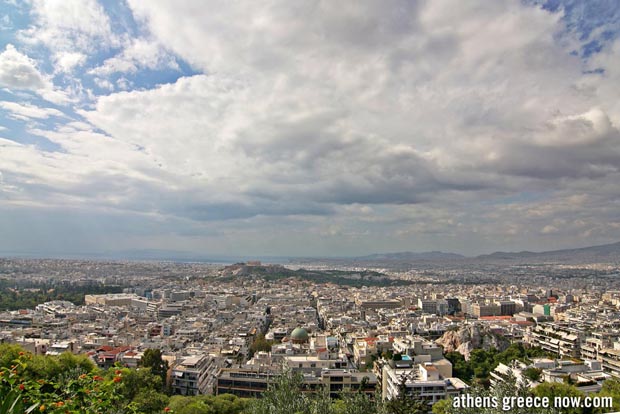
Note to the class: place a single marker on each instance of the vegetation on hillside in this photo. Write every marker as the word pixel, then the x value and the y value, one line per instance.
pixel 30 295
pixel 481 362
pixel 338 277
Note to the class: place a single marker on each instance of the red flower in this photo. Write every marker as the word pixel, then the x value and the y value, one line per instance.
pixel 98 378
pixel 118 372
pixel 167 409
pixel 117 379
pixel 21 387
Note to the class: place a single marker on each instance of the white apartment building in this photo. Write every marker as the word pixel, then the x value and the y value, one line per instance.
pixel 191 375
pixel 420 380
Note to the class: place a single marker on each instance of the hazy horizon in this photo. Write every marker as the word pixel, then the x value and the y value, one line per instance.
pixel 308 129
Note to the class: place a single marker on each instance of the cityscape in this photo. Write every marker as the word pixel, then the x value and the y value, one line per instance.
pixel 310 207
pixel 234 328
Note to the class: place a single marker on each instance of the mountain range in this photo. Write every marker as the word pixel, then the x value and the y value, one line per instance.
pixel 607 253
pixel 601 253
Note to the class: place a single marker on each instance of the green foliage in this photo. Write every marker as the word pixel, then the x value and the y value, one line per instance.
pixel 286 396
pixel 442 407
pixel 142 388
pixel 460 368
pixel 149 401
pixel 20 393
pixel 533 374
pixel 283 397
pixel 355 403
pixel 389 354
pixel 611 388
pixel 153 360
pixel 58 367
pixel 8 354
pixel 338 277
pixel 208 404
pixel 482 362
pixel 502 392
pixel 260 344
pixel 557 389
pixel 29 295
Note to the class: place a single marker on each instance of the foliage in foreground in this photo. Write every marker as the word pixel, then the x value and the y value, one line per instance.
pixel 83 392
pixel 512 389
pixel 70 383
pixel 286 396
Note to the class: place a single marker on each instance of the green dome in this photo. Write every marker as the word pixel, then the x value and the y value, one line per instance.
pixel 299 335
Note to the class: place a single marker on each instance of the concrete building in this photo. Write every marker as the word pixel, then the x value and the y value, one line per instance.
pixel 560 339
pixel 422 381
pixel 480 310
pixel 190 376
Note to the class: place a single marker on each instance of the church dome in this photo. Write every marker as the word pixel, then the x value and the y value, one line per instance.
pixel 299 335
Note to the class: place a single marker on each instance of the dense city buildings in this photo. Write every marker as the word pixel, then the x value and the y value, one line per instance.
pixel 232 329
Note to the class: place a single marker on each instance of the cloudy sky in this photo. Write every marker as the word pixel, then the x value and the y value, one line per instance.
pixel 308 127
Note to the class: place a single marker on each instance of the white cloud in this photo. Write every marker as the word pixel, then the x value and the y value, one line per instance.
pixel 27 111
pixel 70 29
pixel 357 104
pixel 68 61
pixel 419 121
pixel 138 54
pixel 124 83
pixel 104 84
pixel 19 71
pixel 5 23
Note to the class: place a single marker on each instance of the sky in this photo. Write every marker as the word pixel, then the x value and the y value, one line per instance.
pixel 308 128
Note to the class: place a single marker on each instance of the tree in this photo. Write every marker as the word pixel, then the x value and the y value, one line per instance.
pixel 152 359
pixel 142 389
pixel 533 374
pixel 356 403
pixel 492 401
pixel 442 407
pixel 150 401
pixel 461 368
pixel 260 344
pixel 283 396
pixel 611 388
pixel 551 390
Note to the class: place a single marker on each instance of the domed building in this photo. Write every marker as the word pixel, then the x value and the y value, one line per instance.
pixel 299 336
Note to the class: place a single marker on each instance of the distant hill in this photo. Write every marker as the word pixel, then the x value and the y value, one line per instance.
pixel 603 253
pixel 360 278
pixel 404 256
pixel 608 253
